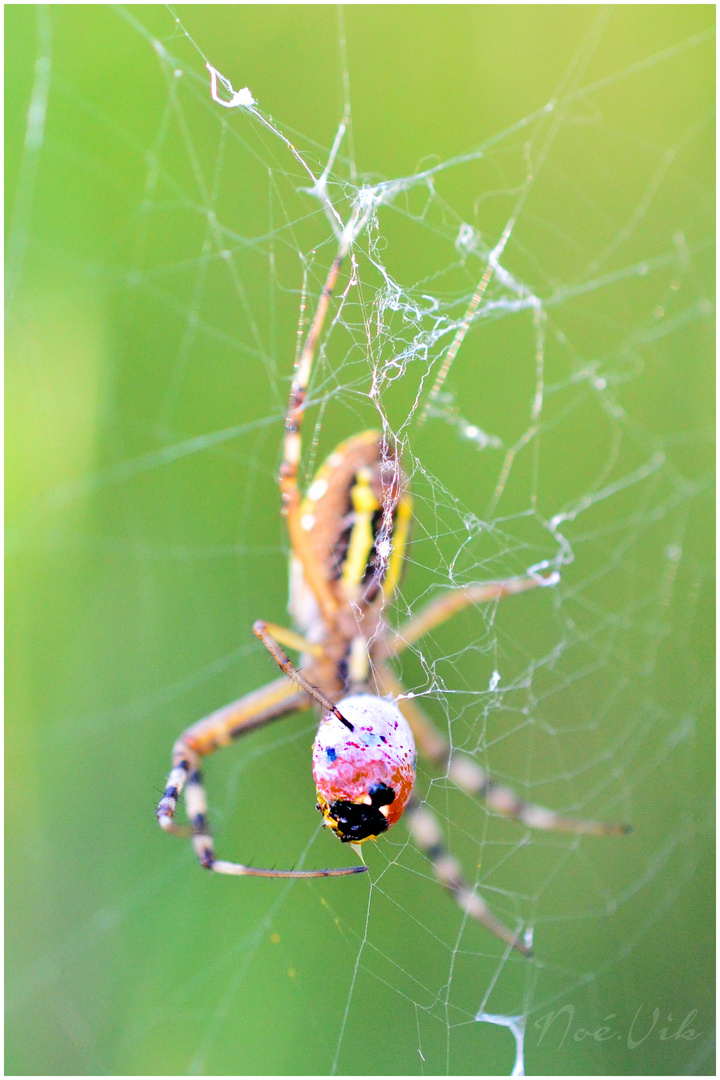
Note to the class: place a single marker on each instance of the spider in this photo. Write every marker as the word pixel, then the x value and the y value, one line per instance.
pixel 348 538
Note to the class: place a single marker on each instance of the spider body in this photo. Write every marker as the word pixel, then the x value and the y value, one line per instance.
pixel 356 516
pixel 348 538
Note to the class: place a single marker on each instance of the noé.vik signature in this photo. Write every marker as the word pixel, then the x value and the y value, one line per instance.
pixel 643 1025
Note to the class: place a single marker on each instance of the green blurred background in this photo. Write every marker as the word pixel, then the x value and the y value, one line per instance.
pixel 145 383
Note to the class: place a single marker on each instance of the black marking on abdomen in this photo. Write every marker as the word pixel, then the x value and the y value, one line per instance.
pixel 356 820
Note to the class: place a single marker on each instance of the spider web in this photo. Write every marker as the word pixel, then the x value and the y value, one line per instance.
pixel 165 256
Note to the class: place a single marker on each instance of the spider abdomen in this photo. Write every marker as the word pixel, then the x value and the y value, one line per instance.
pixel 364 773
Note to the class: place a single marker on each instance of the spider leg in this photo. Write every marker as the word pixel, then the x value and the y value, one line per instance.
pixel 425 829
pixel 291 500
pixel 448 604
pixel 475 781
pixel 424 826
pixel 277 699
pixel 427 834
pixel 267 633
pixel 217 730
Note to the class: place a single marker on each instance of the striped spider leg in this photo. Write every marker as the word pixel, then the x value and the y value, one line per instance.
pixel 460 768
pixel 277 699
